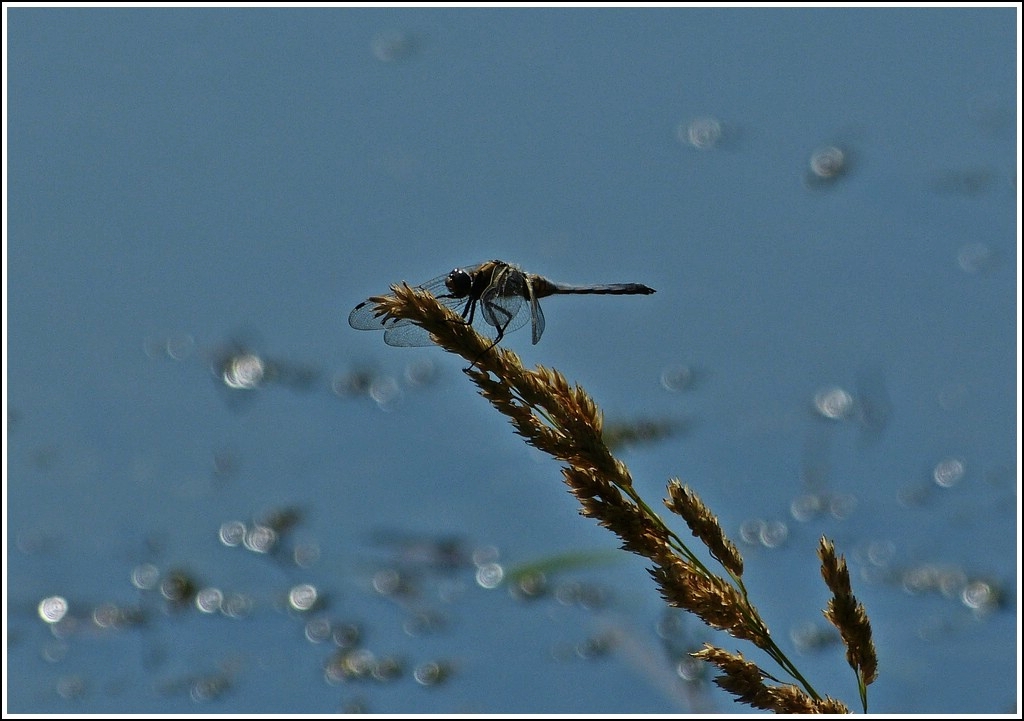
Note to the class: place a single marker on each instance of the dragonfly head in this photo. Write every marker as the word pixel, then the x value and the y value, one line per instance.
pixel 459 283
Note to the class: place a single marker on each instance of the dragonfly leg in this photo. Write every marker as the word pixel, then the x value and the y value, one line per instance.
pixel 468 310
pixel 497 339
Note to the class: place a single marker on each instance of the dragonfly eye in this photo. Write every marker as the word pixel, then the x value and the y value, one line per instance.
pixel 459 283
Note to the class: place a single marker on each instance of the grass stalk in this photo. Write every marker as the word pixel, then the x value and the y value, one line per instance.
pixel 562 420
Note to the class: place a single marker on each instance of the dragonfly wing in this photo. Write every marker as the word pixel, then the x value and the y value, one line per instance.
pixel 538 318
pixel 399 331
pixel 500 311
pixel 365 317
pixel 405 334
pixel 501 304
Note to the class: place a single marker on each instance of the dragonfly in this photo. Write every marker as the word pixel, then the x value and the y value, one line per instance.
pixel 494 297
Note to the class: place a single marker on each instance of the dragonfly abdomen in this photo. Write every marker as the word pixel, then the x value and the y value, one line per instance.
pixel 548 288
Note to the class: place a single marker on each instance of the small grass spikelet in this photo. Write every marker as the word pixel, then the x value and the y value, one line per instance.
pixel 849 616
pixel 704 525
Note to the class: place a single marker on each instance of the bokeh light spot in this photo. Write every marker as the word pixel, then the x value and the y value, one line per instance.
pixel 232 533
pixel 833 403
pixel 949 472
pixel 387 581
pixel 318 630
pixel 677 377
pixel 975 258
pixel 145 576
pixel 828 163
pixel 421 372
pixel 774 534
pixel 841 505
pixel 209 600
pixel 980 596
pixel 244 371
pixel 53 608
pixel 432 673
pixel 71 687
pixel 303 597
pixel 701 133
pixel 385 391
pixel 260 539
pixel 306 554
pixel 490 575
pixel 807 506
pixel 236 605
